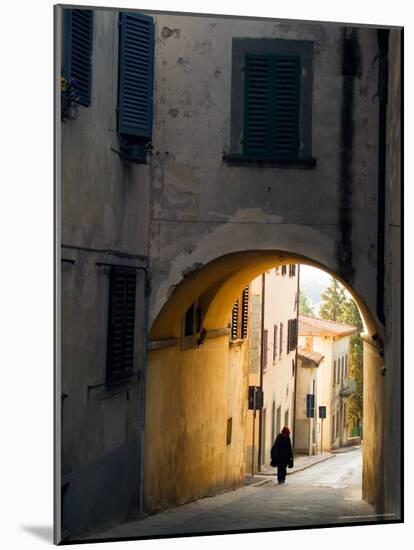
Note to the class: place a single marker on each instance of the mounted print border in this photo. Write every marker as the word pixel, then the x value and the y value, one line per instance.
pixel 201 161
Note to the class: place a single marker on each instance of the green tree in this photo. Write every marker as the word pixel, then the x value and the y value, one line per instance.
pixel 305 307
pixel 333 299
pixel 337 307
pixel 350 315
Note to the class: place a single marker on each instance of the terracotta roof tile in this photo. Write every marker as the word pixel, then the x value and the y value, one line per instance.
pixel 312 356
pixel 322 327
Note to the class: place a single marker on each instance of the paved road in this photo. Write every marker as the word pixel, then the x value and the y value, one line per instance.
pixel 329 492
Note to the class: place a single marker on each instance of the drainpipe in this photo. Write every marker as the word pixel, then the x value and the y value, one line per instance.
pixel 262 356
pixel 296 361
pixel 147 293
pixel 382 38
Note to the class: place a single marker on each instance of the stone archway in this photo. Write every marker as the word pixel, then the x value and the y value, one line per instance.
pixel 187 389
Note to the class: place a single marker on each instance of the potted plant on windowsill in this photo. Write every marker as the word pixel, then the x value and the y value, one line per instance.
pixel 69 98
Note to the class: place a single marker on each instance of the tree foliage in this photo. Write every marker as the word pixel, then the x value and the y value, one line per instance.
pixel 333 299
pixel 305 307
pixel 351 316
pixel 337 307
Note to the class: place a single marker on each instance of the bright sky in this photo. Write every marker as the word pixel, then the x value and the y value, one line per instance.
pixel 313 282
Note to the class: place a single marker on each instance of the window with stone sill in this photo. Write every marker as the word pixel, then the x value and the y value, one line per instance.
pixel 271 102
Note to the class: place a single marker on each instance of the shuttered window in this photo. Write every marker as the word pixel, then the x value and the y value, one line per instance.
pixel 280 339
pixel 192 319
pixel 77 51
pixel 274 342
pixel 240 316
pixel 235 321
pixel 121 323
pixel 292 334
pixel 265 347
pixel 271 107
pixel 245 312
pixel 136 70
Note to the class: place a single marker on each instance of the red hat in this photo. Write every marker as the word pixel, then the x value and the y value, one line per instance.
pixel 285 431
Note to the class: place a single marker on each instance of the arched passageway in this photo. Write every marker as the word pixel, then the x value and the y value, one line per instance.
pixel 219 283
pixel 195 383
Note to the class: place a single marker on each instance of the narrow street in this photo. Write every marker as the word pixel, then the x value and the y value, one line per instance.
pixel 329 492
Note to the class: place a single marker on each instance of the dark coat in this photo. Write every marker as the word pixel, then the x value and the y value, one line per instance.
pixel 281 453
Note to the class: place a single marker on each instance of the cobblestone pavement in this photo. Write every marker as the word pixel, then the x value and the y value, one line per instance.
pixel 328 492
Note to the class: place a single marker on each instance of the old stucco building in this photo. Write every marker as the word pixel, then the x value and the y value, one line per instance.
pixel 180 182
pixel 323 372
pixel 272 359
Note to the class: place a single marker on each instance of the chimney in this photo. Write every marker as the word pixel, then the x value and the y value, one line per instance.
pixel 309 343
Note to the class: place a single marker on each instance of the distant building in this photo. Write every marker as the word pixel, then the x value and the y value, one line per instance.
pixel 306 422
pixel 322 374
pixel 276 339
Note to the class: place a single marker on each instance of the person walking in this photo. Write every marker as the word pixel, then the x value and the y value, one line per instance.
pixel 281 454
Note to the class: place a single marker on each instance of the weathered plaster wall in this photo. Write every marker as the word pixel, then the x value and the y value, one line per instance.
pixel 324 346
pixel 393 388
pixel 340 349
pixel 254 352
pixel 104 202
pixel 373 417
pixel 204 208
pixel 104 218
pixel 305 376
pixel 278 379
pixel 191 394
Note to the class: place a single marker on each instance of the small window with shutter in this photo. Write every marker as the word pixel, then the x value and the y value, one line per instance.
pixel 271 103
pixel 192 320
pixel 245 312
pixel 280 339
pixel 235 321
pixel 121 323
pixel 240 316
pixel 135 85
pixel 292 335
pixel 271 107
pixel 77 53
pixel 265 344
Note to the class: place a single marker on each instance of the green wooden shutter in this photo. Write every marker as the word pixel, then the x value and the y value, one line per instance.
pixel 257 103
pixel 136 70
pixel 271 107
pixel 77 56
pixel 121 323
pixel 286 121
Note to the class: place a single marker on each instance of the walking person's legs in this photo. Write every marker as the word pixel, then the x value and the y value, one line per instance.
pixel 281 473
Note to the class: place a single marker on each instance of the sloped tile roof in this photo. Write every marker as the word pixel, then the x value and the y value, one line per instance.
pixel 312 356
pixel 322 327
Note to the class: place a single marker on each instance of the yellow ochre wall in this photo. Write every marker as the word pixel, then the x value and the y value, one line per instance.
pixel 372 469
pixel 190 396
